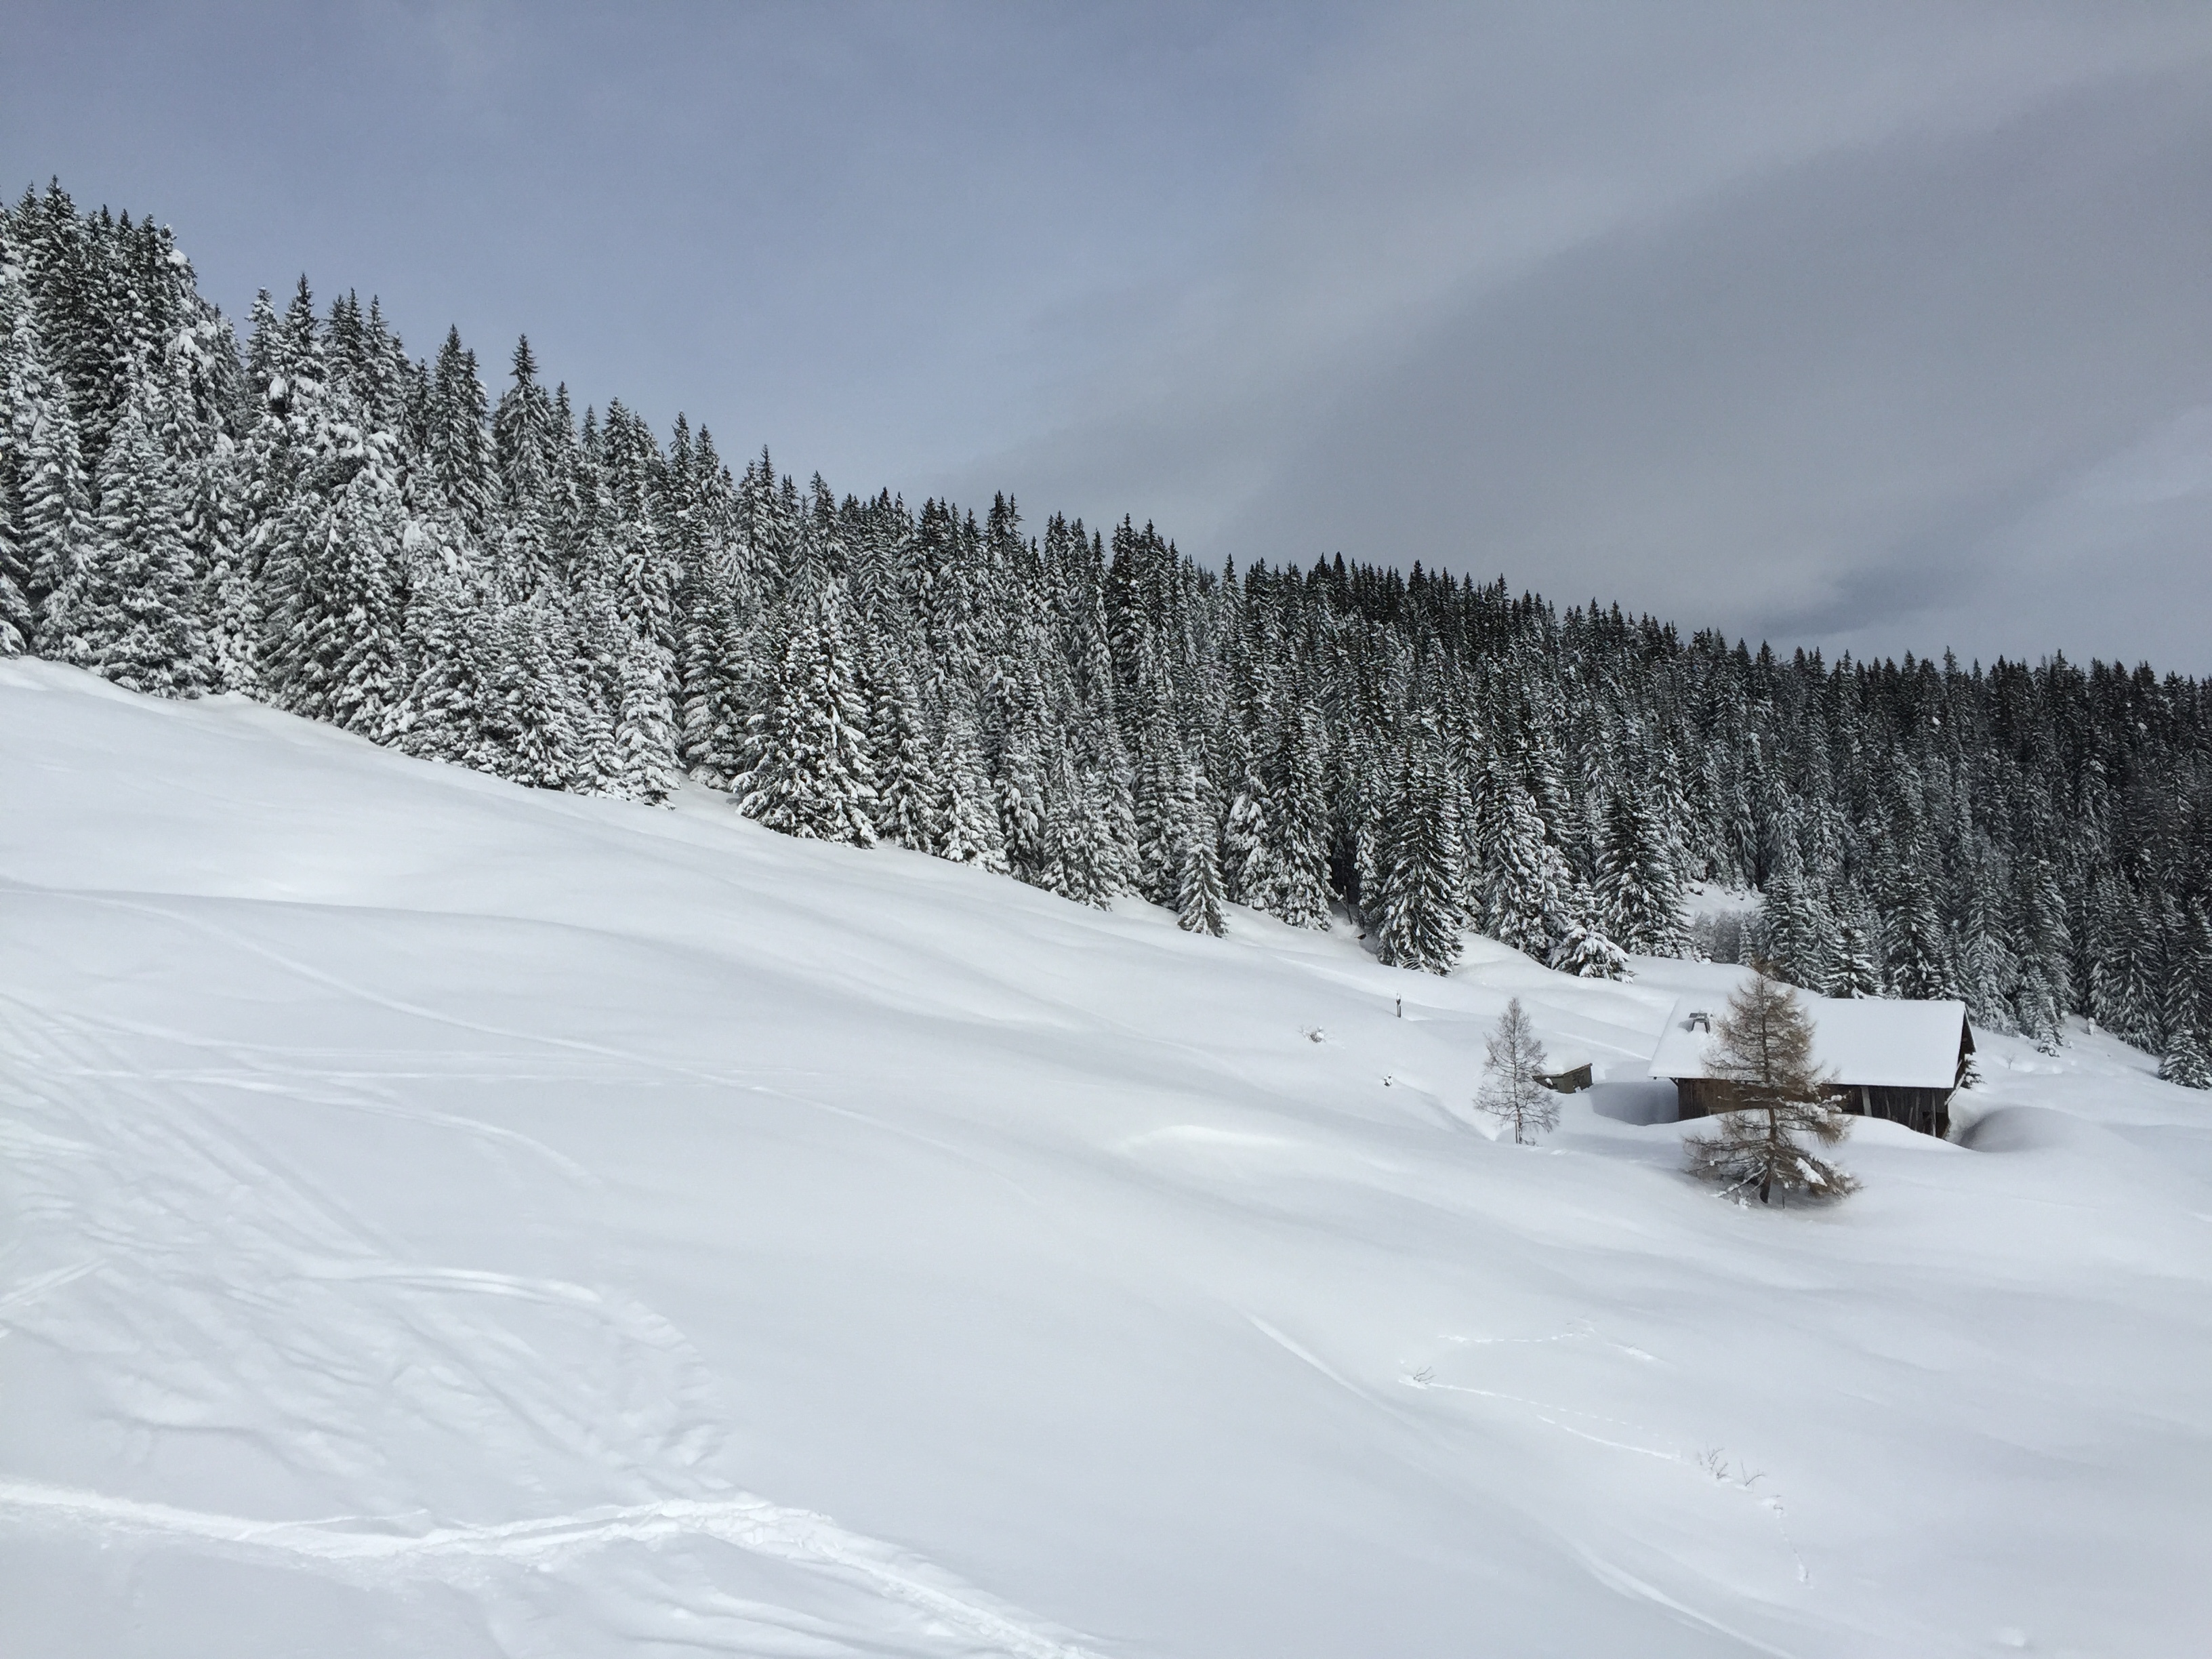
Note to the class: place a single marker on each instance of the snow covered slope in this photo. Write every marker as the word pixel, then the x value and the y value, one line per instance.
pixel 441 1220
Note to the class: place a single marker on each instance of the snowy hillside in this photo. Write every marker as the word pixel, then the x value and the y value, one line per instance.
pixel 446 1219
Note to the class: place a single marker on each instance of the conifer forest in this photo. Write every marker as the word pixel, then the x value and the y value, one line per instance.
pixel 483 576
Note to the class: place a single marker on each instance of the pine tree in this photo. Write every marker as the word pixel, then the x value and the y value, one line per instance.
pixel 442 716
pixel 1512 1090
pixel 1523 884
pixel 230 600
pixel 1025 769
pixel 1085 850
pixel 1246 875
pixel 523 447
pixel 1162 809
pixel 456 423
pixel 643 763
pixel 331 646
pixel 966 829
pixel 1776 1101
pixel 2188 1012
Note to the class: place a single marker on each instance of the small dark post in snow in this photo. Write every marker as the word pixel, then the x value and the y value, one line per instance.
pixel 1401 1007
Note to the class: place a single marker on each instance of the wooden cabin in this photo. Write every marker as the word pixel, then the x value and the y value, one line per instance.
pixel 1566 1071
pixel 1885 1057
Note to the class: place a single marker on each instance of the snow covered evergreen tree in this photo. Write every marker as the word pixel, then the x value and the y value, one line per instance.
pixel 1198 886
pixel 807 768
pixel 1639 885
pixel 1417 919
pixel 131 605
pixel 1294 833
pixel 54 526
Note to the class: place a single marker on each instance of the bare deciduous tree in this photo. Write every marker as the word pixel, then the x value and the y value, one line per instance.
pixel 1512 1090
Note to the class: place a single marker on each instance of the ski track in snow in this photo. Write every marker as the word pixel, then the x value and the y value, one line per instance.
pixel 142 1182
pixel 749 1523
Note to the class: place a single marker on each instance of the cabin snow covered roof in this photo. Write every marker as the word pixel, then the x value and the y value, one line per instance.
pixel 1882 1042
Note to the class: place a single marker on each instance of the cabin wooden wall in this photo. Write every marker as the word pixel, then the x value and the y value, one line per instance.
pixel 1928 1110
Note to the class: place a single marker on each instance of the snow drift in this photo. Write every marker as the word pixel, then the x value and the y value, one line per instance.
pixel 441 1219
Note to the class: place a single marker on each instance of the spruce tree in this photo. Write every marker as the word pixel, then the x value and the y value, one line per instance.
pixel 1853 970
pixel 1523 885
pixel 445 645
pixel 1582 948
pixel 131 602
pixel 54 524
pixel 907 789
pixel 2185 1062
pixel 1198 887
pixel 1794 934
pixel 966 826
pixel 330 646
pixel 1640 887
pixel 533 715
pixel 1085 847
pixel 807 768
pixel 1294 832
pixel 1418 921
pixel 643 763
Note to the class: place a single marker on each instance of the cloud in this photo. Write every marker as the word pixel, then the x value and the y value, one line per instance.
pixel 1784 323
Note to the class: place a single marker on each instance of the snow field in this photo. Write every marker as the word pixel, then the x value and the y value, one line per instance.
pixel 440 1218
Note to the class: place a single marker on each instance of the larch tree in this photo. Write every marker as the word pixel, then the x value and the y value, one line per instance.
pixel 1513 1091
pixel 1776 1109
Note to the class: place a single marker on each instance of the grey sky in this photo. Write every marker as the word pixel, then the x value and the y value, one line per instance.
pixel 1877 326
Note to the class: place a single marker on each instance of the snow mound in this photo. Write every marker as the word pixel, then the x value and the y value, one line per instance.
pixel 2031 1129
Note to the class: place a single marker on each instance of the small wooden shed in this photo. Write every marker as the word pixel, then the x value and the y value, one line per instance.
pixel 1566 1071
pixel 1886 1056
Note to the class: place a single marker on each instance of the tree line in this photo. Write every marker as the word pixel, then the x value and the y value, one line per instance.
pixel 318 520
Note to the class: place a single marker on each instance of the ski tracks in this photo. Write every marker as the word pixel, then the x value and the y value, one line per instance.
pixel 799 1537
pixel 193 1280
